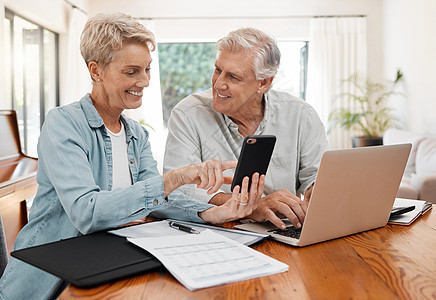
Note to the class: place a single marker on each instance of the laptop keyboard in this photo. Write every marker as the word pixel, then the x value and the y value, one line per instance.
pixel 290 231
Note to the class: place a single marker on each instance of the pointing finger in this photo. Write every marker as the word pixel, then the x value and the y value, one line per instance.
pixel 225 165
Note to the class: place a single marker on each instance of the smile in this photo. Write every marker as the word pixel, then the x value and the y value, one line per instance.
pixel 139 94
pixel 222 96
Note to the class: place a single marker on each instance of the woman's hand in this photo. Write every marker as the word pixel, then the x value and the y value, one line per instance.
pixel 207 175
pixel 240 205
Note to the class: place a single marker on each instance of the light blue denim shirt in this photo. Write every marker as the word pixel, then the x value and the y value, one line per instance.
pixel 75 193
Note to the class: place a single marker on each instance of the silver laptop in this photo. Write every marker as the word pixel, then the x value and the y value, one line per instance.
pixel 354 191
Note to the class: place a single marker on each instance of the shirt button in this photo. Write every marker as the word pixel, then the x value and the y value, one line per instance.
pixel 132 162
pixel 155 202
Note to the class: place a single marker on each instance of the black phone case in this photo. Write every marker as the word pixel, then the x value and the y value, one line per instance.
pixel 254 157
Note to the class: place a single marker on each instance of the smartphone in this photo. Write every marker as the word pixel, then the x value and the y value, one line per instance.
pixel 255 156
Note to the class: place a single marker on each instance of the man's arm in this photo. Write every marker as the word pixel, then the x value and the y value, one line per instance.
pixel 183 148
pixel 312 147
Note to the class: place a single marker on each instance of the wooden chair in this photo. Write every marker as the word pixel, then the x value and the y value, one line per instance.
pixel 4 255
pixel 17 178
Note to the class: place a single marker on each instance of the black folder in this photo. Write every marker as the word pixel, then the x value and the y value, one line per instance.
pixel 90 260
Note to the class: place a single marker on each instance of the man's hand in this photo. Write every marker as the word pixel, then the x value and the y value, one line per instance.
pixel 284 203
pixel 308 194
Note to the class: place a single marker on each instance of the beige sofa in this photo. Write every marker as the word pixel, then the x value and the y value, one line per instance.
pixel 419 180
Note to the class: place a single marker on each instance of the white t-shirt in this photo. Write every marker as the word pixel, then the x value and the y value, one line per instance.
pixel 121 176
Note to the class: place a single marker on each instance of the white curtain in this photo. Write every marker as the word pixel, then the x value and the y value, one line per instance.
pixel 77 81
pixel 3 104
pixel 150 113
pixel 337 49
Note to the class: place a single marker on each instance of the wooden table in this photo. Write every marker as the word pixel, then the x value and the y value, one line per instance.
pixel 393 262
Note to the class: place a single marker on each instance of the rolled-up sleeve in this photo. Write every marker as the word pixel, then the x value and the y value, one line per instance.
pixel 182 207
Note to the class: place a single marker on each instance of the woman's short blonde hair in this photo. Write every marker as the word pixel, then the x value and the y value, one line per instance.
pixel 104 34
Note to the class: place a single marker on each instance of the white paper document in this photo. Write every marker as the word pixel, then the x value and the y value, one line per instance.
pixel 161 228
pixel 208 259
pixel 421 207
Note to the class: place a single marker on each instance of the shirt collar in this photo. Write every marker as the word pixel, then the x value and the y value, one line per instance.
pixel 95 121
pixel 91 113
pixel 264 121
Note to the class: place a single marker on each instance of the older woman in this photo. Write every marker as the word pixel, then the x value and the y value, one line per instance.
pixel 96 170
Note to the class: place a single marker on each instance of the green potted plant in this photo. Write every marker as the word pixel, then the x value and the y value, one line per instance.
pixel 368 111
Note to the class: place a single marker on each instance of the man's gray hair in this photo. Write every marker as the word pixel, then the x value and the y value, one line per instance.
pixel 266 52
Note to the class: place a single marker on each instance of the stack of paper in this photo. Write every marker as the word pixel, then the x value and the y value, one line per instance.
pixel 209 259
pixel 421 207
pixel 161 228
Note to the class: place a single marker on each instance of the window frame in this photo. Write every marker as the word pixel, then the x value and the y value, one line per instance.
pixel 10 15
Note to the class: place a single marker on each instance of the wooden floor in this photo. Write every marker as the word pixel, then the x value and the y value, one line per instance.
pixel 393 262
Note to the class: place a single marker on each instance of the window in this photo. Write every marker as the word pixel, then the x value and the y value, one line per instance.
pixel 31 76
pixel 187 68
pixel 292 74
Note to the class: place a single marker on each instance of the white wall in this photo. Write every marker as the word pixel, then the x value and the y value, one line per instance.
pixel 2 61
pixel 400 33
pixel 210 20
pixel 284 19
pixel 48 13
pixel 410 44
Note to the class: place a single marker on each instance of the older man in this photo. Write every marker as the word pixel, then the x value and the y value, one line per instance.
pixel 213 124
